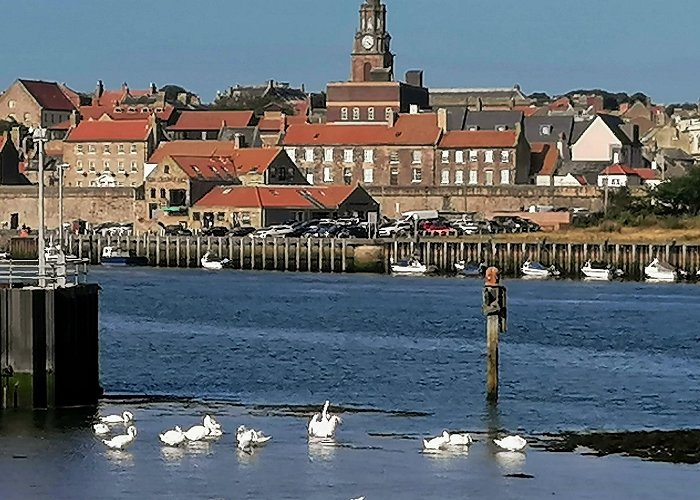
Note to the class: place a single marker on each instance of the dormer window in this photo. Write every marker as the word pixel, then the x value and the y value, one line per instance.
pixel 501 128
pixel 473 128
pixel 118 110
pixel 546 130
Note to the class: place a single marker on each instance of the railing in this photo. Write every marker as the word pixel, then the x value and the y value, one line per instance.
pixel 26 273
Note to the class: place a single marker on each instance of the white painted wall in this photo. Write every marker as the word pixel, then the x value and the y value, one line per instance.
pixel 596 143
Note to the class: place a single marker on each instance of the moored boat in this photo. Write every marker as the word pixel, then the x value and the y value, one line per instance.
pixel 537 270
pixel 411 267
pixel 116 257
pixel 598 271
pixel 471 269
pixel 661 271
pixel 212 264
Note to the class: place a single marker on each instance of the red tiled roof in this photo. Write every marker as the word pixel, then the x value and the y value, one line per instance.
pixel 300 197
pixel 49 95
pixel 479 139
pixel 110 131
pixel 526 110
pixel 418 129
pixel 271 124
pixel 212 120
pixel 240 162
pixel 581 180
pixel 545 158
pixel 202 149
pixel 115 97
pixel 647 174
pixel 97 112
pixel 618 169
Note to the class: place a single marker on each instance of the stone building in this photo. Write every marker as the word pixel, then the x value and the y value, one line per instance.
pixel 397 154
pixel 207 125
pixel 483 158
pixel 109 153
pixel 36 103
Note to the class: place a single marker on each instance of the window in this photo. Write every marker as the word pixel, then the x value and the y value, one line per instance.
pixel 196 216
pixel 105 164
pixel 616 157
pixel 79 184
pixel 91 165
pixel 394 157
pixel 356 114
pixel 327 174
pixel 133 149
pixel 78 149
pixel 445 157
pixel 79 165
pixel 473 156
pixel 501 128
pixel 388 112
pixel 328 155
pixel 292 153
pixel 91 148
pixel 106 149
pixel 459 177
pixel 417 175
pixel 11 104
pixel 309 155
pixel 369 155
pixel 120 149
pixel 417 156
pixel 545 130
pixel 488 156
pixel 344 114
pixel 459 156
pixel 348 156
pixel 473 177
pixel 505 156
pixel 347 175
pixel 120 165
pixel 166 169
pixel 220 216
pixel 134 166
pixel 309 176
pixel 489 177
pixel 162 193
pixel 445 177
pixel 153 192
pixel 505 176
pixel 394 176
pixel 368 175
pixel 370 114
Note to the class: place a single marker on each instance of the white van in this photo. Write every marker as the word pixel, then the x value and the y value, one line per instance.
pixel 418 215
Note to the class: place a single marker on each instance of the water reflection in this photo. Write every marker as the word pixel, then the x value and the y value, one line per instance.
pixel 198 447
pixel 511 462
pixel 322 449
pixel 247 457
pixel 172 454
pixel 450 453
pixel 121 457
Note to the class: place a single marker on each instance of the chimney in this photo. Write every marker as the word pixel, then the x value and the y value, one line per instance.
pixel 635 134
pixel 238 141
pixel 303 88
pixel 413 109
pixel 74 119
pixel 99 90
pixel 442 119
pixel 414 77
pixel 125 88
pixel 479 104
pixel 283 123
pixel 391 119
pixel 154 129
pixel 154 88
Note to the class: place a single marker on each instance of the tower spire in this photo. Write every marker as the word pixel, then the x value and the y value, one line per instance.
pixel 371 56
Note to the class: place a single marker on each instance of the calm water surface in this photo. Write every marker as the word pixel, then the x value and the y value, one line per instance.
pixel 620 356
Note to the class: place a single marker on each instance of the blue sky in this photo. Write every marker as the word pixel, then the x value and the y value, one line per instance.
pixel 543 45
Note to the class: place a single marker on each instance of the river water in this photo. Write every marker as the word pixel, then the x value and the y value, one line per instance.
pixel 404 358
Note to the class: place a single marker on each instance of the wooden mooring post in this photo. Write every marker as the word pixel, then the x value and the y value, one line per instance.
pixel 495 309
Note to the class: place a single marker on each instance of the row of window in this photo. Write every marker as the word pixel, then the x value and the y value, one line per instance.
pixel 416 176
pixel 349 155
pixel 98 184
pixel 106 149
pixel 357 115
pixel 473 154
pixel 106 165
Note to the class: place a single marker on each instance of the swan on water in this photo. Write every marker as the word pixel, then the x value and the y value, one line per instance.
pixel 247 439
pixel 101 429
pixel 123 440
pixel 511 443
pixel 437 443
pixel 209 427
pixel 124 418
pixel 323 425
pixel 213 426
pixel 173 437
pixel 460 440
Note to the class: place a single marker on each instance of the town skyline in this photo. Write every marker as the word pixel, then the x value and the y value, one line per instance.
pixel 568 58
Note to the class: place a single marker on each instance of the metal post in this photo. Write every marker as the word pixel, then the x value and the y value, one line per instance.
pixel 39 136
pixel 61 170
pixel 495 309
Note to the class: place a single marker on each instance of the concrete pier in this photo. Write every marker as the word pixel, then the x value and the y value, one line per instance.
pixel 49 347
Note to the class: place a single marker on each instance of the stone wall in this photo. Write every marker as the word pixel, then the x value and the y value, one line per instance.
pixel 395 200
pixel 95 205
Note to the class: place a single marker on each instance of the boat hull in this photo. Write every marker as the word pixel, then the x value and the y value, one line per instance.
pixel 597 274
pixel 124 261
pixel 409 271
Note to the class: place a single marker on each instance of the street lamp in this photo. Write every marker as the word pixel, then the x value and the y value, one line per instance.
pixel 61 168
pixel 39 138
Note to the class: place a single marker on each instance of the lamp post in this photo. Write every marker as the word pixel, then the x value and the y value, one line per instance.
pixel 39 138
pixel 61 168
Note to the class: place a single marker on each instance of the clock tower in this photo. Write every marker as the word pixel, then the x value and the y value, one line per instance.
pixel 372 59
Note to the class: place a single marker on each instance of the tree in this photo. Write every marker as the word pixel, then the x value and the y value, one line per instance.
pixel 248 102
pixel 679 196
pixel 172 91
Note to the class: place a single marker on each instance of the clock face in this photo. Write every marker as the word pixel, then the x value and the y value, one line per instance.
pixel 368 42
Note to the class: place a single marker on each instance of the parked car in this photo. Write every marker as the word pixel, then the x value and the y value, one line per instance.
pixel 176 230
pixel 278 231
pixel 395 229
pixel 217 231
pixel 474 227
pixel 241 231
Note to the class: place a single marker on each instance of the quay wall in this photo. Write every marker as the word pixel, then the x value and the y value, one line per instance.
pixel 343 255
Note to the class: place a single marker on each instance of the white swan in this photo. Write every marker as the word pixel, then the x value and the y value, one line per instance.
pixel 437 443
pixel 101 429
pixel 173 437
pixel 213 426
pixel 212 265
pixel 124 418
pixel 209 428
pixel 323 425
pixel 123 440
pixel 250 438
pixel 460 440
pixel 511 443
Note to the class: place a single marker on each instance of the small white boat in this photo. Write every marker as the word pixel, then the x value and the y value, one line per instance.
pixel 537 270
pixel 660 271
pixel 598 271
pixel 471 269
pixel 212 264
pixel 410 267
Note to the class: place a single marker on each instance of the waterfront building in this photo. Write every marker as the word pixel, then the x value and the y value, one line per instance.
pixel 603 139
pixel 36 103
pixel 208 125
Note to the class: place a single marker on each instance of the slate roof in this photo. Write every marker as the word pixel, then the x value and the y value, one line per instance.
pixel 251 135
pixel 479 139
pixel 579 128
pixel 559 125
pixel 676 154
pixel 490 120
pixel 48 94
pixel 588 169
pixel 615 124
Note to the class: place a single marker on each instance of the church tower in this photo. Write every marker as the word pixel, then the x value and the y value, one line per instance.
pixel 372 59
